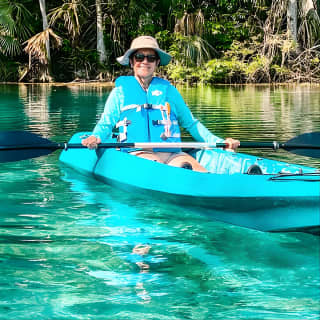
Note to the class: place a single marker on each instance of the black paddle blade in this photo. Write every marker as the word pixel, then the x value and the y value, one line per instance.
pixel 307 144
pixel 21 145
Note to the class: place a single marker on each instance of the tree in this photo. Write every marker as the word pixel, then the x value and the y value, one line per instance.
pixel 292 20
pixel 42 4
pixel 70 13
pixel 100 38
pixel 309 29
pixel 39 59
pixel 38 49
pixel 15 26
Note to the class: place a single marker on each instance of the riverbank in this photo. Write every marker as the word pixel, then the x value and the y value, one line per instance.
pixel 60 84
pixel 111 84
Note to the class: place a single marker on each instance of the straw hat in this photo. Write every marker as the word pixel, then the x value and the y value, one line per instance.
pixel 145 42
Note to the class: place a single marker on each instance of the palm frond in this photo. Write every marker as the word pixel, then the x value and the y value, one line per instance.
pixel 309 29
pixel 69 12
pixel 191 50
pixel 36 46
pixel 9 45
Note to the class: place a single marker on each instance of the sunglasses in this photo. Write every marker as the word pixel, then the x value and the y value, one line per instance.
pixel 150 57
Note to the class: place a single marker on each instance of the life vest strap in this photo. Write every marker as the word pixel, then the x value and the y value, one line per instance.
pixel 123 123
pixel 144 106
pixel 164 122
pixel 165 136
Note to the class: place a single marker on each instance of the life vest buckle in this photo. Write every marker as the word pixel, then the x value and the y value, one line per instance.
pixel 164 136
pixel 156 122
pixel 123 123
pixel 147 106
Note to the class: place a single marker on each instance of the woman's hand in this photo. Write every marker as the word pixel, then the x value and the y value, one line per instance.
pixel 91 142
pixel 232 144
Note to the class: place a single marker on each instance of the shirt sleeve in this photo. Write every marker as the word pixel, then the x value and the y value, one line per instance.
pixel 109 117
pixel 185 118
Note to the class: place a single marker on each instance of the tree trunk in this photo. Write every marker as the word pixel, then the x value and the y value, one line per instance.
pixel 100 27
pixel 45 24
pixel 292 20
pixel 46 70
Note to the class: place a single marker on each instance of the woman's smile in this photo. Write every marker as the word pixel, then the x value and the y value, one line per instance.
pixel 144 70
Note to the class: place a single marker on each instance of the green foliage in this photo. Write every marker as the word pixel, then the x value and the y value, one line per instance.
pixel 76 62
pixel 224 71
pixel 210 41
pixel 279 73
pixel 15 26
pixel 8 69
pixel 258 70
pixel 190 50
pixel 224 32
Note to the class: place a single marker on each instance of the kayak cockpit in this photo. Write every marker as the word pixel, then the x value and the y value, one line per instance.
pixel 224 162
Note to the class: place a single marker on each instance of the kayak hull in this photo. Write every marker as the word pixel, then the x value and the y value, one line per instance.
pixel 267 202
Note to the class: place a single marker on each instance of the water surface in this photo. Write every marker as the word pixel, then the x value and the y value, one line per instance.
pixel 74 248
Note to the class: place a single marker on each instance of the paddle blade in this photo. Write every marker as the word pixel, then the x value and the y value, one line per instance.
pixel 307 144
pixel 21 145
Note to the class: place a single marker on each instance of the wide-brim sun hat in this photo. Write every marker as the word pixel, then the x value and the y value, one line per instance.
pixel 145 42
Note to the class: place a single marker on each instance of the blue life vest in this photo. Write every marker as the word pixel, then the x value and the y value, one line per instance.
pixel 146 116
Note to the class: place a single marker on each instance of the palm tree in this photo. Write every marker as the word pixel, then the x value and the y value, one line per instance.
pixel 189 35
pixel 69 13
pixel 39 59
pixel 304 35
pixel 309 29
pixel 294 44
pixel 15 26
pixel 38 48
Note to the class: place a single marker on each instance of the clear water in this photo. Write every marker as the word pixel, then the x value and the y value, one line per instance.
pixel 74 248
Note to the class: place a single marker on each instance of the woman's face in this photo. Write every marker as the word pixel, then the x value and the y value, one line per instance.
pixel 144 69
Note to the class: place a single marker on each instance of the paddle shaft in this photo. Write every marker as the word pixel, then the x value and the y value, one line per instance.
pixel 142 145
pixel 164 145
pixel 21 145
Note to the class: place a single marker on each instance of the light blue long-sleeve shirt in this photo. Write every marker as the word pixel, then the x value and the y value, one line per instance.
pixel 115 102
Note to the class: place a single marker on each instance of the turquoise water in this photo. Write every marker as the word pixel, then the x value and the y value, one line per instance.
pixel 74 248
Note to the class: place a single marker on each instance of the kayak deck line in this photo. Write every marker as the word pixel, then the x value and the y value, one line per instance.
pixel 294 176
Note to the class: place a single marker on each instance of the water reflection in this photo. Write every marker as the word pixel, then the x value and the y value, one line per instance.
pixel 36 101
pixel 51 110
pixel 264 113
pixel 256 112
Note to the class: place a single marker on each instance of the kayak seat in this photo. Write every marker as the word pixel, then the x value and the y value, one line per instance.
pixel 254 169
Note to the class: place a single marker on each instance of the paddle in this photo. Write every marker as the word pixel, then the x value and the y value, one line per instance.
pixel 20 145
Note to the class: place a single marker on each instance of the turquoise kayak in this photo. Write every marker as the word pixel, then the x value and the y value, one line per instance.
pixel 239 189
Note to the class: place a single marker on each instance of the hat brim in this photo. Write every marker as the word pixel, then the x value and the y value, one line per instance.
pixel 164 57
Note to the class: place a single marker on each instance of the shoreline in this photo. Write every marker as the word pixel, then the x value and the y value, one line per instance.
pixel 111 84
pixel 61 84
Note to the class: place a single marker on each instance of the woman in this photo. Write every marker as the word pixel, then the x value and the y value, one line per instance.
pixel 149 109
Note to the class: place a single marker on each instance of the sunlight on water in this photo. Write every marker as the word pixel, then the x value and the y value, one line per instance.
pixel 74 248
